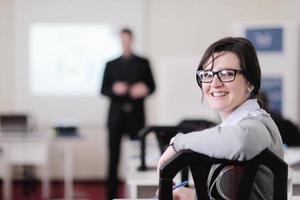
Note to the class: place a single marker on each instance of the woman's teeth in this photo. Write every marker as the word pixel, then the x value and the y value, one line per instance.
pixel 219 94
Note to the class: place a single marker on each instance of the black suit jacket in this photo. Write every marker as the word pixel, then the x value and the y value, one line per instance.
pixel 133 70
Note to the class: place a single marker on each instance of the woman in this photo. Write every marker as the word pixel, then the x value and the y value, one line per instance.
pixel 229 76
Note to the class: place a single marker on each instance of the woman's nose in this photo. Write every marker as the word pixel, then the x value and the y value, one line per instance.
pixel 216 81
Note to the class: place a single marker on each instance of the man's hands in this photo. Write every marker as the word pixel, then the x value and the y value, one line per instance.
pixel 138 90
pixel 135 91
pixel 120 88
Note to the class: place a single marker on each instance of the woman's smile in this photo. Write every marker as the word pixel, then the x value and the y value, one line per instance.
pixel 219 94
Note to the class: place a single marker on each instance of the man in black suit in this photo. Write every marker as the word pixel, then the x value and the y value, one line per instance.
pixel 127 82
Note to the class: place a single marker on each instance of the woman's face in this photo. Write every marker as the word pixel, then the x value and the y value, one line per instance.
pixel 226 97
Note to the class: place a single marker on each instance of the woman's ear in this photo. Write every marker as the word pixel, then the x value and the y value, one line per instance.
pixel 250 87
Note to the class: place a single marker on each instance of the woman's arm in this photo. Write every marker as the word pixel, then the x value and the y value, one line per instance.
pixel 241 142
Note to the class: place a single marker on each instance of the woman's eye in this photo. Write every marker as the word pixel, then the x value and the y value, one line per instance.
pixel 227 73
pixel 207 75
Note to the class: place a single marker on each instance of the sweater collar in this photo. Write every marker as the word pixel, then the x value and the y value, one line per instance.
pixel 248 108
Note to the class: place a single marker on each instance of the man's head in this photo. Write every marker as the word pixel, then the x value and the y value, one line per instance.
pixel 126 40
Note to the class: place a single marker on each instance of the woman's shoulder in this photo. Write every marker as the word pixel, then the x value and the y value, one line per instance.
pixel 260 115
pixel 260 120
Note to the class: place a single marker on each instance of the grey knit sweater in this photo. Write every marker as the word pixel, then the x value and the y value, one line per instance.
pixel 243 135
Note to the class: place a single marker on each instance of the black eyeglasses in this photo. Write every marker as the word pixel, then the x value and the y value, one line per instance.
pixel 224 75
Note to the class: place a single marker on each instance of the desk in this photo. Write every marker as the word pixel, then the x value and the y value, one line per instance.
pixel 142 184
pixel 292 157
pixel 67 152
pixel 24 149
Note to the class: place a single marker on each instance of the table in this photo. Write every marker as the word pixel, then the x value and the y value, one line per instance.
pixel 33 149
pixel 24 149
pixel 68 157
pixel 142 184
pixel 292 157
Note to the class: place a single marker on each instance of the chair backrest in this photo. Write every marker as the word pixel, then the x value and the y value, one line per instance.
pixel 14 122
pixel 197 124
pixel 200 165
pixel 165 133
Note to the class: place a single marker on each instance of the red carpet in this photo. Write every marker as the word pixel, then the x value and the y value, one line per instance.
pixel 94 190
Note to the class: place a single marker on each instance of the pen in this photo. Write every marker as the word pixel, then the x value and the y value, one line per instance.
pixel 181 184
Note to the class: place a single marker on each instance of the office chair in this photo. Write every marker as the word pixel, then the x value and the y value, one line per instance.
pixel 12 122
pixel 165 133
pixel 197 124
pixel 200 165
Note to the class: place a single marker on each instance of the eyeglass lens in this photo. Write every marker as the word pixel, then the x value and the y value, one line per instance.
pixel 225 75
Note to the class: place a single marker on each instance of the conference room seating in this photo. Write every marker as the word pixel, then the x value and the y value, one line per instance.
pixel 200 165
pixel 13 122
pixel 164 134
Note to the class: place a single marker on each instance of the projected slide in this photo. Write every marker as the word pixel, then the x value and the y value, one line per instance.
pixel 68 59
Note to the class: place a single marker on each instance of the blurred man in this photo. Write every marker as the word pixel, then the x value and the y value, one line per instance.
pixel 127 82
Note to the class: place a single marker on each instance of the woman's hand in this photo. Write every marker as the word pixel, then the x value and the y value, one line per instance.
pixel 169 152
pixel 184 193
pixel 181 193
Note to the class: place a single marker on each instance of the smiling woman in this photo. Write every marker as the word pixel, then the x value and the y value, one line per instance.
pixel 229 76
pixel 225 96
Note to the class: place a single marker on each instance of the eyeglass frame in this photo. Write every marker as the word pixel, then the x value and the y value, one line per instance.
pixel 236 71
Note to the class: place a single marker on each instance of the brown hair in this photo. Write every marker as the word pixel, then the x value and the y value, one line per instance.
pixel 246 54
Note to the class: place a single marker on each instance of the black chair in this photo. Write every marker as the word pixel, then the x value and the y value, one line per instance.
pixel 165 133
pixel 200 165
pixel 197 124
pixel 13 122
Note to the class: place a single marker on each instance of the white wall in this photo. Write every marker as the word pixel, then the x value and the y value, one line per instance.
pixel 88 111
pixel 165 29
pixel 180 29
pixel 283 65
pixel 16 16
pixel 6 41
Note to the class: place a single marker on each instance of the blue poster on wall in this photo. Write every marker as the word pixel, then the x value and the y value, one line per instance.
pixel 266 39
pixel 272 88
